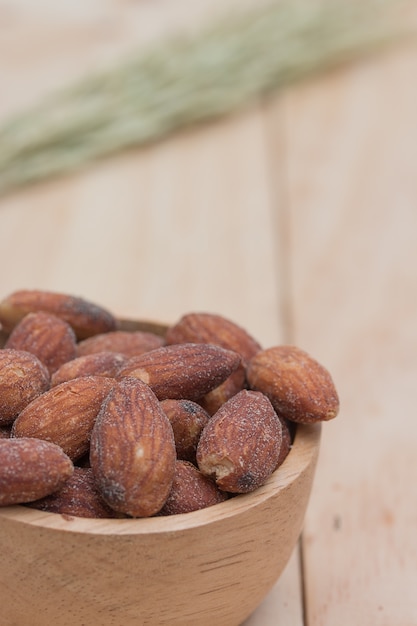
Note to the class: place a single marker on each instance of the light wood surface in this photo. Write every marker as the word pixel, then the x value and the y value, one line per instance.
pixel 296 219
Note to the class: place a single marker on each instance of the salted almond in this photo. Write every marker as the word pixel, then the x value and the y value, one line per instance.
pixel 188 370
pixel 65 414
pixel 187 419
pixel 31 469
pixel 132 450
pixel 287 439
pixel 300 388
pixel 191 491
pixel 78 497
pixel 129 343
pixel 46 336
pixel 98 364
pixel 85 317
pixel 22 378
pixel 215 329
pixel 241 443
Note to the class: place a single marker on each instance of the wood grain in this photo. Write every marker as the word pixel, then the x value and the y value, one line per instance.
pixel 352 189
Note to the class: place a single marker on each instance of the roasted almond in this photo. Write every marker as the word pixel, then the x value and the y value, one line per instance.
pixel 65 414
pixel 124 342
pixel 46 336
pixel 300 388
pixel 98 364
pixel 187 419
pixel 22 378
pixel 191 491
pixel 31 469
pixel 132 450
pixel 240 446
pixel 183 371
pixel 85 317
pixel 78 497
pixel 215 329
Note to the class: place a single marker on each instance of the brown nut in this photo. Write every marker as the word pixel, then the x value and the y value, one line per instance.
pixel 46 336
pixel 300 389
pixel 187 419
pixel 132 450
pixel 31 469
pixel 86 318
pixel 241 443
pixel 105 364
pixel 78 497
pixel 124 342
pixel 214 329
pixel 22 378
pixel 188 370
pixel 65 414
pixel 191 491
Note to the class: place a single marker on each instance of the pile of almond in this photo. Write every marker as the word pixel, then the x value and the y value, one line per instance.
pixel 98 421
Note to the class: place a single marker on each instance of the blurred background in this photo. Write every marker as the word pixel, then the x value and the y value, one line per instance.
pixel 293 213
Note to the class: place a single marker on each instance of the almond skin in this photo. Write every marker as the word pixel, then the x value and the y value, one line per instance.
pixel 240 446
pixel 22 379
pixel 132 451
pixel 31 469
pixel 65 414
pixel 300 388
pixel 85 317
pixel 191 491
pixel 180 371
pixel 187 419
pixel 105 364
pixel 46 336
pixel 78 497
pixel 124 342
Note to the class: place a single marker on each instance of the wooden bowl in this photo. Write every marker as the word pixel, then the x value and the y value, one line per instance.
pixel 208 567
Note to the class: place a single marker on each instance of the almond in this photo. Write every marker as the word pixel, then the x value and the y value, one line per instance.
pixel 22 378
pixel 241 443
pixel 287 440
pixel 31 469
pixel 46 336
pixel 124 342
pixel 132 450
pixel 183 371
pixel 187 419
pixel 215 329
pixel 65 414
pixel 191 491
pixel 85 317
pixel 98 364
pixel 300 388
pixel 78 497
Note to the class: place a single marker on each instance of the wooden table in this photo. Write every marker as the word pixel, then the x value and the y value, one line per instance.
pixel 297 219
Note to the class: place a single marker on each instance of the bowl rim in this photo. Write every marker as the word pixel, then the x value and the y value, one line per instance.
pixel 303 452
